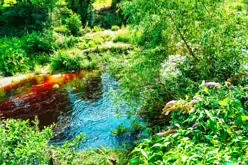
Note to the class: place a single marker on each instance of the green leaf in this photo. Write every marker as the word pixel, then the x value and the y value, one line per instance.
pixel 144 154
pixel 225 102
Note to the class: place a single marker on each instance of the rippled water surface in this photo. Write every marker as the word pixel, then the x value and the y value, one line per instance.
pixel 77 103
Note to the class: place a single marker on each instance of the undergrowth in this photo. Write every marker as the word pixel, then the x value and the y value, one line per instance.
pixel 22 142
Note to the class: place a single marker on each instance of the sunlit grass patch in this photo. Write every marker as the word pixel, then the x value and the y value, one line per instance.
pixel 102 3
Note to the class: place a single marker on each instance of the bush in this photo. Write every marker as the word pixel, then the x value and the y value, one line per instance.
pixel 22 142
pixel 22 18
pixel 39 43
pixel 20 55
pixel 62 29
pixel 71 60
pixel 74 24
pixel 82 7
pixel 64 41
pixel 13 58
pixel 208 39
pixel 115 28
pixel 64 13
pixel 209 129
pixel 127 35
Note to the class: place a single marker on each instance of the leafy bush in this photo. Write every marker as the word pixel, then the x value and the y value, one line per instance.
pixel 64 13
pixel 115 28
pixel 74 24
pixel 18 55
pixel 22 142
pixel 22 18
pixel 82 7
pixel 69 60
pixel 213 35
pixel 62 29
pixel 202 33
pixel 210 129
pixel 65 41
pixel 13 58
pixel 39 43
pixel 125 36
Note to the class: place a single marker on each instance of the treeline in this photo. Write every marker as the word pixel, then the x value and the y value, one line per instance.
pixel 21 17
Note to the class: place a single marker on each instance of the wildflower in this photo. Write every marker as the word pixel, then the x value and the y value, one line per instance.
pixel 210 84
pixel 166 133
pixel 193 102
pixel 171 103
pixel 197 100
pixel 160 134
pixel 195 125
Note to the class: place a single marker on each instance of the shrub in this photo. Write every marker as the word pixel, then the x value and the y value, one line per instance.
pixel 97 29
pixel 115 28
pixel 64 41
pixel 13 58
pixel 23 17
pixel 69 60
pixel 82 7
pixel 209 129
pixel 22 144
pixel 62 29
pixel 126 35
pixel 74 24
pixel 39 43
pixel 208 39
pixel 64 13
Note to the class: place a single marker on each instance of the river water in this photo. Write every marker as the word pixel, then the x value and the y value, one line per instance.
pixel 84 102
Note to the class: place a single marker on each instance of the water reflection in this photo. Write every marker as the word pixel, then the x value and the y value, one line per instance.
pixel 96 117
pixel 77 103
pixel 41 96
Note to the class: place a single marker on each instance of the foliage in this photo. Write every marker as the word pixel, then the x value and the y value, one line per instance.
pixel 22 18
pixel 65 41
pixel 210 129
pixel 186 29
pixel 119 131
pixel 115 3
pixel 82 8
pixel 62 29
pixel 22 142
pixel 115 28
pixel 211 33
pixel 74 24
pixel 125 36
pixel 13 58
pixel 39 43
pixel 101 3
pixel 75 59
pixel 106 18
pixel 20 54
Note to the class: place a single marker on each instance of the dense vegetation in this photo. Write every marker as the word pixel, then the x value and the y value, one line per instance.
pixel 181 65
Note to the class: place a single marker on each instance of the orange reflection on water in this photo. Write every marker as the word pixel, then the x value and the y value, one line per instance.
pixel 38 96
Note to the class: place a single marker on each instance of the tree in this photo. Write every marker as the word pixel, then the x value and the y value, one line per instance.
pixel 81 7
pixel 114 3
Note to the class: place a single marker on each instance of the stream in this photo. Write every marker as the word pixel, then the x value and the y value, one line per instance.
pixel 84 102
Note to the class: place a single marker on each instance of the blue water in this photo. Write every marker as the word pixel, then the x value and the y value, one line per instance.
pixel 96 116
